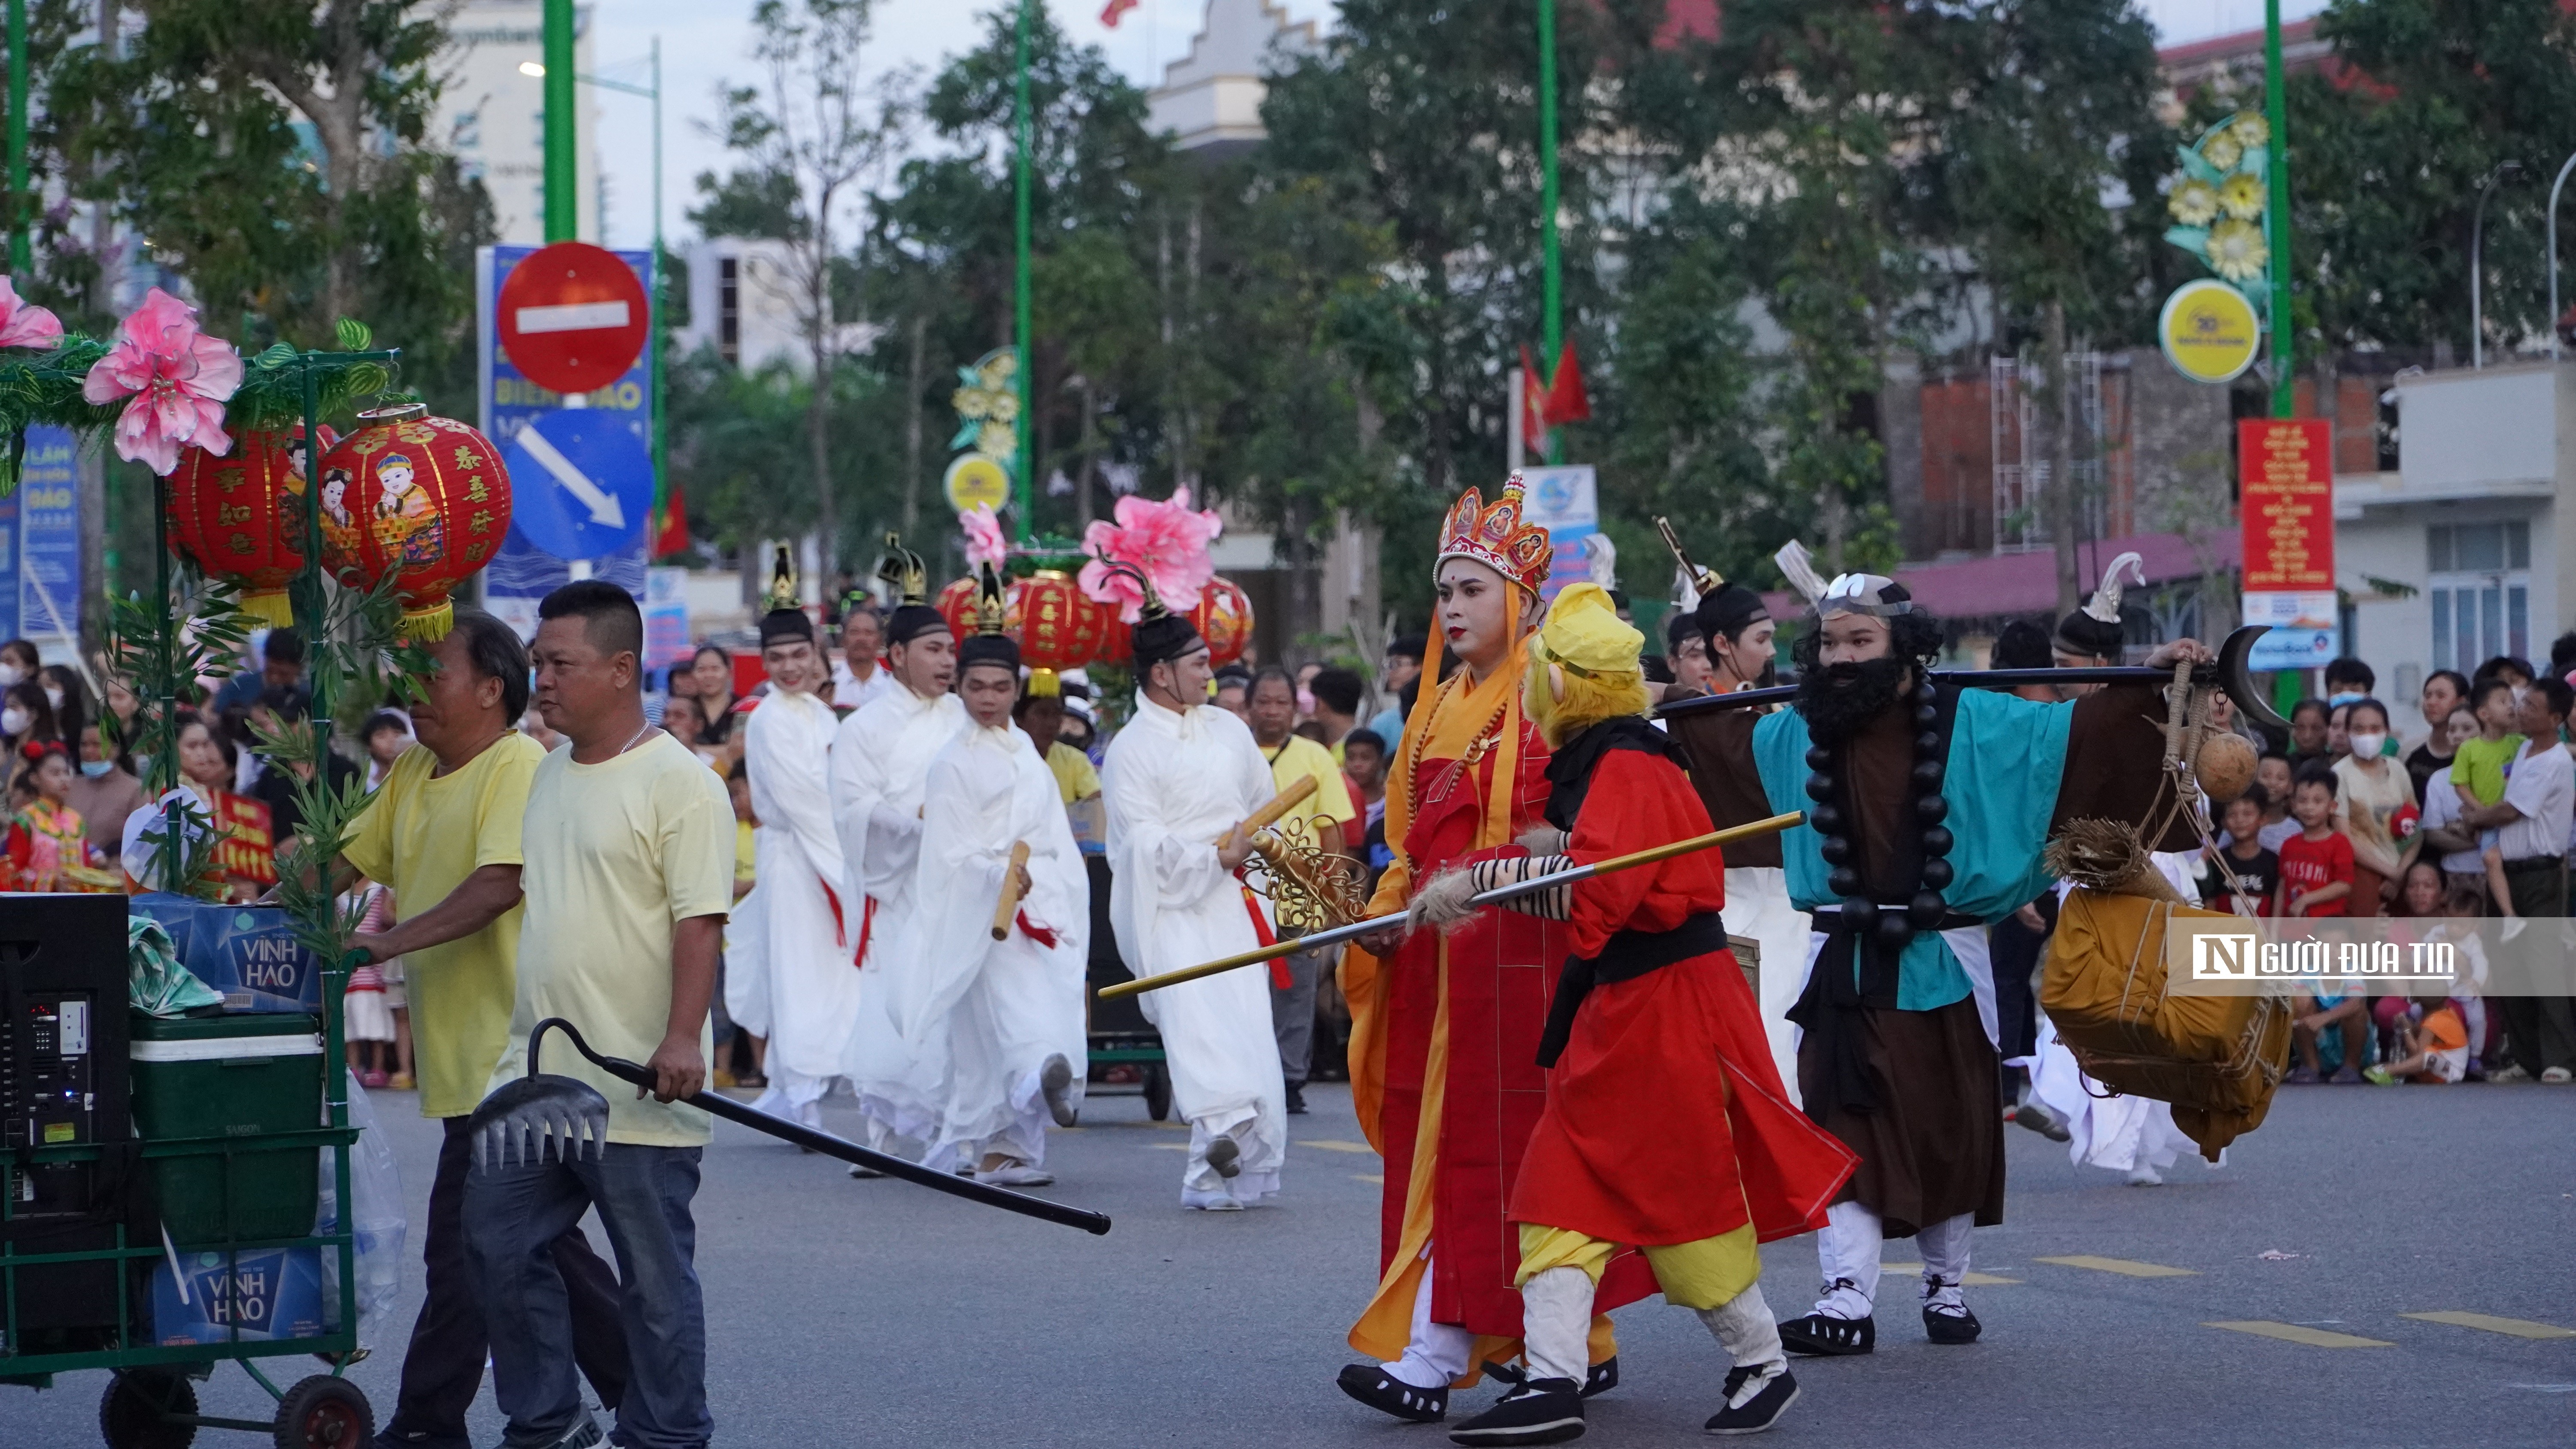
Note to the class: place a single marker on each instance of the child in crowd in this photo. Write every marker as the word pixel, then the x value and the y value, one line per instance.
pixel 2251 872
pixel 2447 915
pixel 2316 863
pixel 2272 772
pixel 2478 768
pixel 366 1017
pixel 2434 1048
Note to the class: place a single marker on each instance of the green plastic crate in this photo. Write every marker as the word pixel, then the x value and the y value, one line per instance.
pixel 232 1078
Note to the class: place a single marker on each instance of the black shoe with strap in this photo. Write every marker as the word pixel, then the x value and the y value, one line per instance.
pixel 1601 1378
pixel 1951 1325
pixel 1820 1335
pixel 1536 1411
pixel 1387 1394
pixel 1760 1411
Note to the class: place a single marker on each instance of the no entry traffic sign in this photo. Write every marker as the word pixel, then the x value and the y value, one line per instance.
pixel 573 317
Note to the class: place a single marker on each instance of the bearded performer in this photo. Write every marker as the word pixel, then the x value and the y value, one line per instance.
pixel 1445 1026
pixel 880 768
pixel 1928 807
pixel 1738 628
pixel 1176 784
pixel 990 1028
pixel 1666 1132
pixel 792 981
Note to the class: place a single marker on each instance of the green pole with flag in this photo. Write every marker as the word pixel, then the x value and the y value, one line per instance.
pixel 21 257
pixel 1551 284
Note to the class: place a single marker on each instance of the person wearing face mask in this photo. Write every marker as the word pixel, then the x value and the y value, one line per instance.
pixel 26 717
pixel 18 662
pixel 104 790
pixel 66 697
pixel 2374 807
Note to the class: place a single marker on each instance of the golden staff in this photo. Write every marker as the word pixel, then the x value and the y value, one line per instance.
pixel 1496 896
pixel 1268 815
pixel 1009 905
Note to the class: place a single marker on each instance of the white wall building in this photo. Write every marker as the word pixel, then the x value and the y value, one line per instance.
pixel 2468 549
pixel 743 301
pixel 493 116
pixel 1212 96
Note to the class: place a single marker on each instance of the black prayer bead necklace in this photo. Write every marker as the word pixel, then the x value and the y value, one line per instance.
pixel 1926 907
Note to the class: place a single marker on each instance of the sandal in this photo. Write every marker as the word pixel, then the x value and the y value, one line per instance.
pixel 1820 1336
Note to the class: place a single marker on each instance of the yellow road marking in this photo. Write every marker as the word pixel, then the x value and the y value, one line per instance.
pixel 2122 1266
pixel 1377 1177
pixel 2517 1327
pixel 2300 1333
pixel 1329 1145
pixel 1973 1280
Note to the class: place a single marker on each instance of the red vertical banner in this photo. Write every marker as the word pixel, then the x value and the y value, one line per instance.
pixel 2286 500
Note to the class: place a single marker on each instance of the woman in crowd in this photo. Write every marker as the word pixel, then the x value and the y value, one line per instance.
pixel 27 717
pixel 682 722
pixel 2446 692
pixel 2374 807
pixel 47 847
pixel 712 668
pixel 105 791
pixel 18 662
pixel 245 851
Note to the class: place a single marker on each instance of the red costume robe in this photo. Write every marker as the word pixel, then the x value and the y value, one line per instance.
pixel 1666 1122
pixel 1455 1020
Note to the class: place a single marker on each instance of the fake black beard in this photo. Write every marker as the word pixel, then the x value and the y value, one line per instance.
pixel 1838 700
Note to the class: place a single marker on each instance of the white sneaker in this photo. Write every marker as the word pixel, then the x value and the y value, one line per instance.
pixel 1016 1174
pixel 1222 1205
pixel 2144 1176
pixel 2558 1076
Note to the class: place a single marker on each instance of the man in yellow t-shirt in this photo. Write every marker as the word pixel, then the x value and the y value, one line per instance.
pixel 1325 816
pixel 442 832
pixel 629 845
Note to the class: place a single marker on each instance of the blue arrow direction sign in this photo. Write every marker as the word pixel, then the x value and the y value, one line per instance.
pixel 581 482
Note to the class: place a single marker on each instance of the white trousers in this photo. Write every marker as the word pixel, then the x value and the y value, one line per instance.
pixel 1848 1249
pixel 794 1095
pixel 1437 1353
pixel 1556 1327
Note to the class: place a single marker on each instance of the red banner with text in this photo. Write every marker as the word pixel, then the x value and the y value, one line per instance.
pixel 2286 499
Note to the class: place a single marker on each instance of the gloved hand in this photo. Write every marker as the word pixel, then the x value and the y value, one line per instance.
pixel 1442 902
pixel 1543 840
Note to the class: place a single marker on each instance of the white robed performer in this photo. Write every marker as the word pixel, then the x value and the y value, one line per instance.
pixel 991 1029
pixel 1736 630
pixel 880 767
pixel 790 977
pixel 1177 780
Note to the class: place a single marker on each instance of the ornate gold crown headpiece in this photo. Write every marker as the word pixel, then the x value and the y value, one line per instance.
pixel 1497 538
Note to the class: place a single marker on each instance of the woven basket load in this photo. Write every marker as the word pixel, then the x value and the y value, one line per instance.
pixel 2217 1059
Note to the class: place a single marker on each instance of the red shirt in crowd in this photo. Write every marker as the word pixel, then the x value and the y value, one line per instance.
pixel 2312 865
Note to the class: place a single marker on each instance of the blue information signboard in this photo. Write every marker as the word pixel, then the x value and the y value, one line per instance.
pixel 526 569
pixel 40 559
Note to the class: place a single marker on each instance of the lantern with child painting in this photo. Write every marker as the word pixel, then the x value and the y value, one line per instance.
pixel 240 517
pixel 1224 619
pixel 424 499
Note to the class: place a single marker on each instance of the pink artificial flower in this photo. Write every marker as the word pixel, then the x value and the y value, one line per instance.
pixel 177 379
pixel 984 542
pixel 23 324
pixel 1167 541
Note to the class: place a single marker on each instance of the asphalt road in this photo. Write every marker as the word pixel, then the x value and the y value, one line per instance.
pixel 845 1313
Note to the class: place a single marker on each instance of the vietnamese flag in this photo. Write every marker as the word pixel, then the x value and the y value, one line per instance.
pixel 1115 8
pixel 670 525
pixel 1566 400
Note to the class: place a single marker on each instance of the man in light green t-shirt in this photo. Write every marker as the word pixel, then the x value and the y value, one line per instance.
pixel 629 843
pixel 442 834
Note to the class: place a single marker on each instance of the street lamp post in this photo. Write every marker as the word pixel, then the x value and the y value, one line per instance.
pixel 2276 109
pixel 2477 271
pixel 2554 188
pixel 1026 455
pixel 1551 283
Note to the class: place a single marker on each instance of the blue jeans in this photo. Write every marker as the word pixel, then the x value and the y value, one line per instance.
pixel 513 1216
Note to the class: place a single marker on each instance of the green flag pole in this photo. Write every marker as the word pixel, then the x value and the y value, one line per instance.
pixel 2277 170
pixel 1552 323
pixel 1027 449
pixel 20 256
pixel 563 173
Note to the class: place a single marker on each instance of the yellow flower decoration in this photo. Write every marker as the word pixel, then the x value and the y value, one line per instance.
pixel 2251 131
pixel 2243 196
pixel 2236 250
pixel 997 440
pixel 2222 150
pixel 971 402
pixel 2194 203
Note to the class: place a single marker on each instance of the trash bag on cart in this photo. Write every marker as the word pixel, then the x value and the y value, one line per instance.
pixel 375 1190
pixel 156 983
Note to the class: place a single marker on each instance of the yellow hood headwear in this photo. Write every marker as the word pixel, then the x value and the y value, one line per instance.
pixel 1585 634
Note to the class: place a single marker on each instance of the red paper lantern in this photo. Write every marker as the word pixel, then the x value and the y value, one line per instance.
pixel 1059 627
pixel 241 518
pixel 956 604
pixel 425 499
pixel 1223 618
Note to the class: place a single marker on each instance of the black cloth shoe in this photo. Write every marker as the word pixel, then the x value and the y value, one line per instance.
pixel 1821 1336
pixel 1387 1394
pixel 1759 1412
pixel 1959 1327
pixel 1296 1099
pixel 1536 1411
pixel 1601 1378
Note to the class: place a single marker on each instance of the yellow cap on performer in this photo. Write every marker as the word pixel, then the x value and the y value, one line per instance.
pixel 1585 633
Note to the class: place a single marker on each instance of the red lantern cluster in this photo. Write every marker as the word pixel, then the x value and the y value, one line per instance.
pixel 421 498
pixel 241 517
pixel 1057 627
